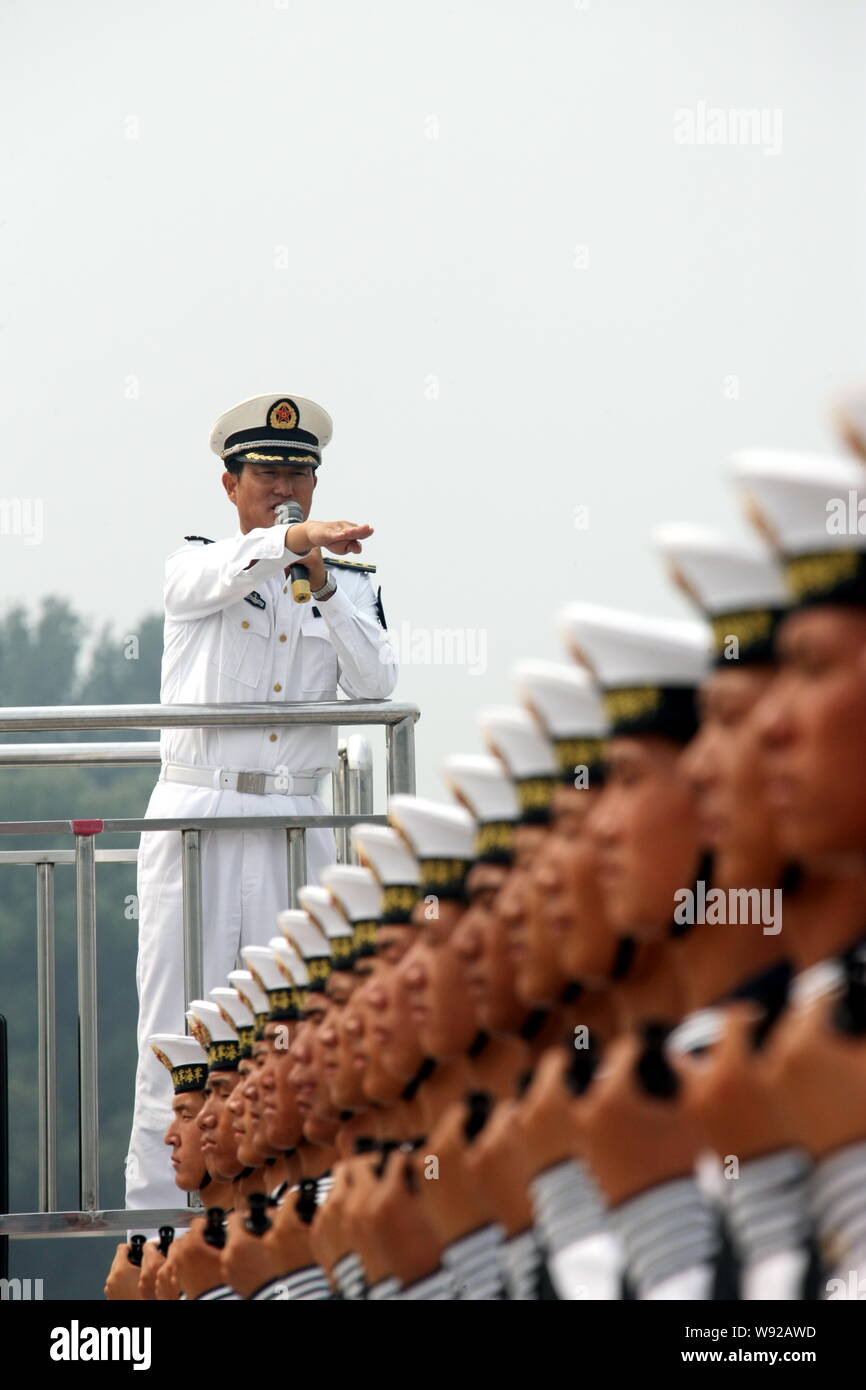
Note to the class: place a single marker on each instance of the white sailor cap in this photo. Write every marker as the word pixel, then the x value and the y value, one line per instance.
pixel 324 910
pixel 738 585
pixel 272 974
pixel 276 429
pixel 290 961
pixel 441 838
pixel 394 867
pixel 250 991
pixel 359 896
pixel 217 1036
pixel 309 941
pixel 516 739
pixel 566 702
pixel 811 507
pixel 184 1057
pixel 236 1011
pixel 481 784
pixel 648 668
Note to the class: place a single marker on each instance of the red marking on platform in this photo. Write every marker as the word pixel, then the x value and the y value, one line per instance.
pixel 87 827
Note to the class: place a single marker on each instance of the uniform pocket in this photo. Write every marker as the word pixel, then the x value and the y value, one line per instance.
pixel 246 632
pixel 317 659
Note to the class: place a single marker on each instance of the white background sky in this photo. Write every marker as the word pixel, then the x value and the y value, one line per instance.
pixel 382 206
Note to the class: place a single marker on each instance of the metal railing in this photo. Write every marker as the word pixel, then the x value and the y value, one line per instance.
pixel 352 801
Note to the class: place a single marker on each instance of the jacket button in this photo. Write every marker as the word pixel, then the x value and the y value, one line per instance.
pixel 278 687
pixel 283 637
pixel 273 738
pixel 244 623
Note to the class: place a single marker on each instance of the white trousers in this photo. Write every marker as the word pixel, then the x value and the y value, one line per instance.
pixel 244 885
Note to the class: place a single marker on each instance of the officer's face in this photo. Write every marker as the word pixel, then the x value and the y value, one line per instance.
pixel 644 826
pixel 261 488
pixel 219 1145
pixel 184 1137
pixel 813 724
pixel 479 940
pixel 725 766
pixel 394 1033
pixel 565 874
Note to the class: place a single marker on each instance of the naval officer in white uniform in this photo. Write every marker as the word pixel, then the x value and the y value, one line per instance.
pixel 234 633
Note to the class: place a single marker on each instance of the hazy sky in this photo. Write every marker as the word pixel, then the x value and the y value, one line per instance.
pixel 492 239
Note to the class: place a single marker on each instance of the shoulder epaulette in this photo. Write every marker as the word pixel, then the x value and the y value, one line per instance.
pixel 205 540
pixel 339 563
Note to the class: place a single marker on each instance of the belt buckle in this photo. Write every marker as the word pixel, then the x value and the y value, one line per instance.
pixel 252 782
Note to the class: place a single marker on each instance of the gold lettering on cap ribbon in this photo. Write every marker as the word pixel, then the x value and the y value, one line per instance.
pixel 820 574
pixel 631 704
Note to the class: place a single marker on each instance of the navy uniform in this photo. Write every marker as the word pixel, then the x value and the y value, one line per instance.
pixel 234 634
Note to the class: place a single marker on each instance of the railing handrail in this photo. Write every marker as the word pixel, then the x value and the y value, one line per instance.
pixel 30 718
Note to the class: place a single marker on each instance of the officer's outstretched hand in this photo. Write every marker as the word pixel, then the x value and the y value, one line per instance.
pixel 341 537
pixel 818 1076
pixel 121 1284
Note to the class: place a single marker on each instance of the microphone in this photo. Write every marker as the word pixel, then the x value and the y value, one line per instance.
pixel 290 514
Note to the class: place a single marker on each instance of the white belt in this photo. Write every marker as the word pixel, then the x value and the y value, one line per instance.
pixel 259 783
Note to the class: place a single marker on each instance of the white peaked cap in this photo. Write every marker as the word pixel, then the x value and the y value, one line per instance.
pixel 722 575
pixel 249 989
pixel 434 831
pixel 228 1001
pixel 355 889
pixel 319 904
pixel 625 649
pixel 790 493
pixel 482 786
pixel 207 1015
pixel 178 1050
pixel 514 736
pixel 269 422
pixel 389 857
pixel 289 962
pixel 262 962
pixel 303 934
pixel 564 699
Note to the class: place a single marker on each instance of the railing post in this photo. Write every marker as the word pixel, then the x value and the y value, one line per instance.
pixel 341 799
pixel 88 1078
pixel 400 745
pixel 359 784
pixel 296 856
pixel 47 1024
pixel 193 969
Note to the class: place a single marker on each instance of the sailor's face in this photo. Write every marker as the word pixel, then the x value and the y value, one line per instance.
pixel 184 1137
pixel 724 764
pixel 641 870
pixel 566 877
pixel 480 942
pixel 219 1143
pixel 813 724
pixel 262 487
